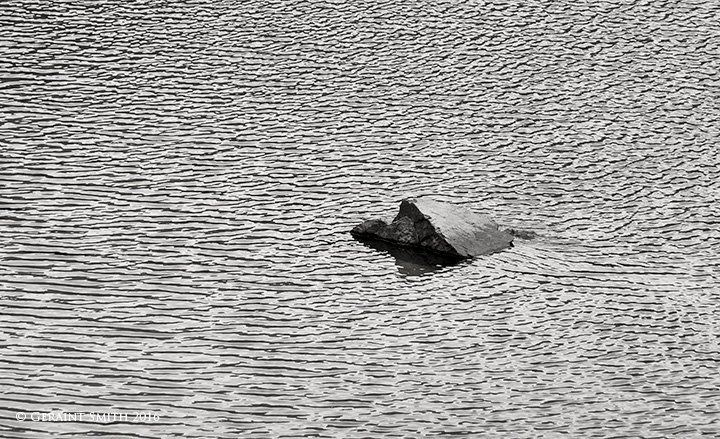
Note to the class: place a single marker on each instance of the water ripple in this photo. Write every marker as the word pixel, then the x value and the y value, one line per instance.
pixel 178 179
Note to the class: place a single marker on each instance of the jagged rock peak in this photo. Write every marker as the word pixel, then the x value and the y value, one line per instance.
pixel 439 227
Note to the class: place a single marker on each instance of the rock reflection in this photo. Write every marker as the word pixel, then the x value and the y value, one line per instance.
pixel 413 262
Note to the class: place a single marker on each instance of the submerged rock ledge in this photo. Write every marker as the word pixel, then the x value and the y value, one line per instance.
pixel 438 227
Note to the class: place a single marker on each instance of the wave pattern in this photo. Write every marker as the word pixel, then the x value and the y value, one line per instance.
pixel 177 180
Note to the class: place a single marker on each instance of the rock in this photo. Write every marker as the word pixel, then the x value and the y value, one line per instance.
pixel 438 227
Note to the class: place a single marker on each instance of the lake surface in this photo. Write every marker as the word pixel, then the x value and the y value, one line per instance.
pixel 177 180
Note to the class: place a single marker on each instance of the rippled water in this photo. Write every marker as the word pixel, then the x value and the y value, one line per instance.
pixel 177 180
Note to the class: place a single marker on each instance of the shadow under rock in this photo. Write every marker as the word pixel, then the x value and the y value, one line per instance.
pixel 413 262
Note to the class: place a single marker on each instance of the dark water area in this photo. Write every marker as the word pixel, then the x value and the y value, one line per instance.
pixel 178 179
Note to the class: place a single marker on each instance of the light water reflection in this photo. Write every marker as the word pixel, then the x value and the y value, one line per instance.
pixel 178 180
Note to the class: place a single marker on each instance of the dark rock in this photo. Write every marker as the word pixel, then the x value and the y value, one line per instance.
pixel 438 227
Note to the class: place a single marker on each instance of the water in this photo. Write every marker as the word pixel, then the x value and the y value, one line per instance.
pixel 178 179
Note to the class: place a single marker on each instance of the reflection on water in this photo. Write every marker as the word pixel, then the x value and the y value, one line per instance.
pixel 412 262
pixel 177 180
